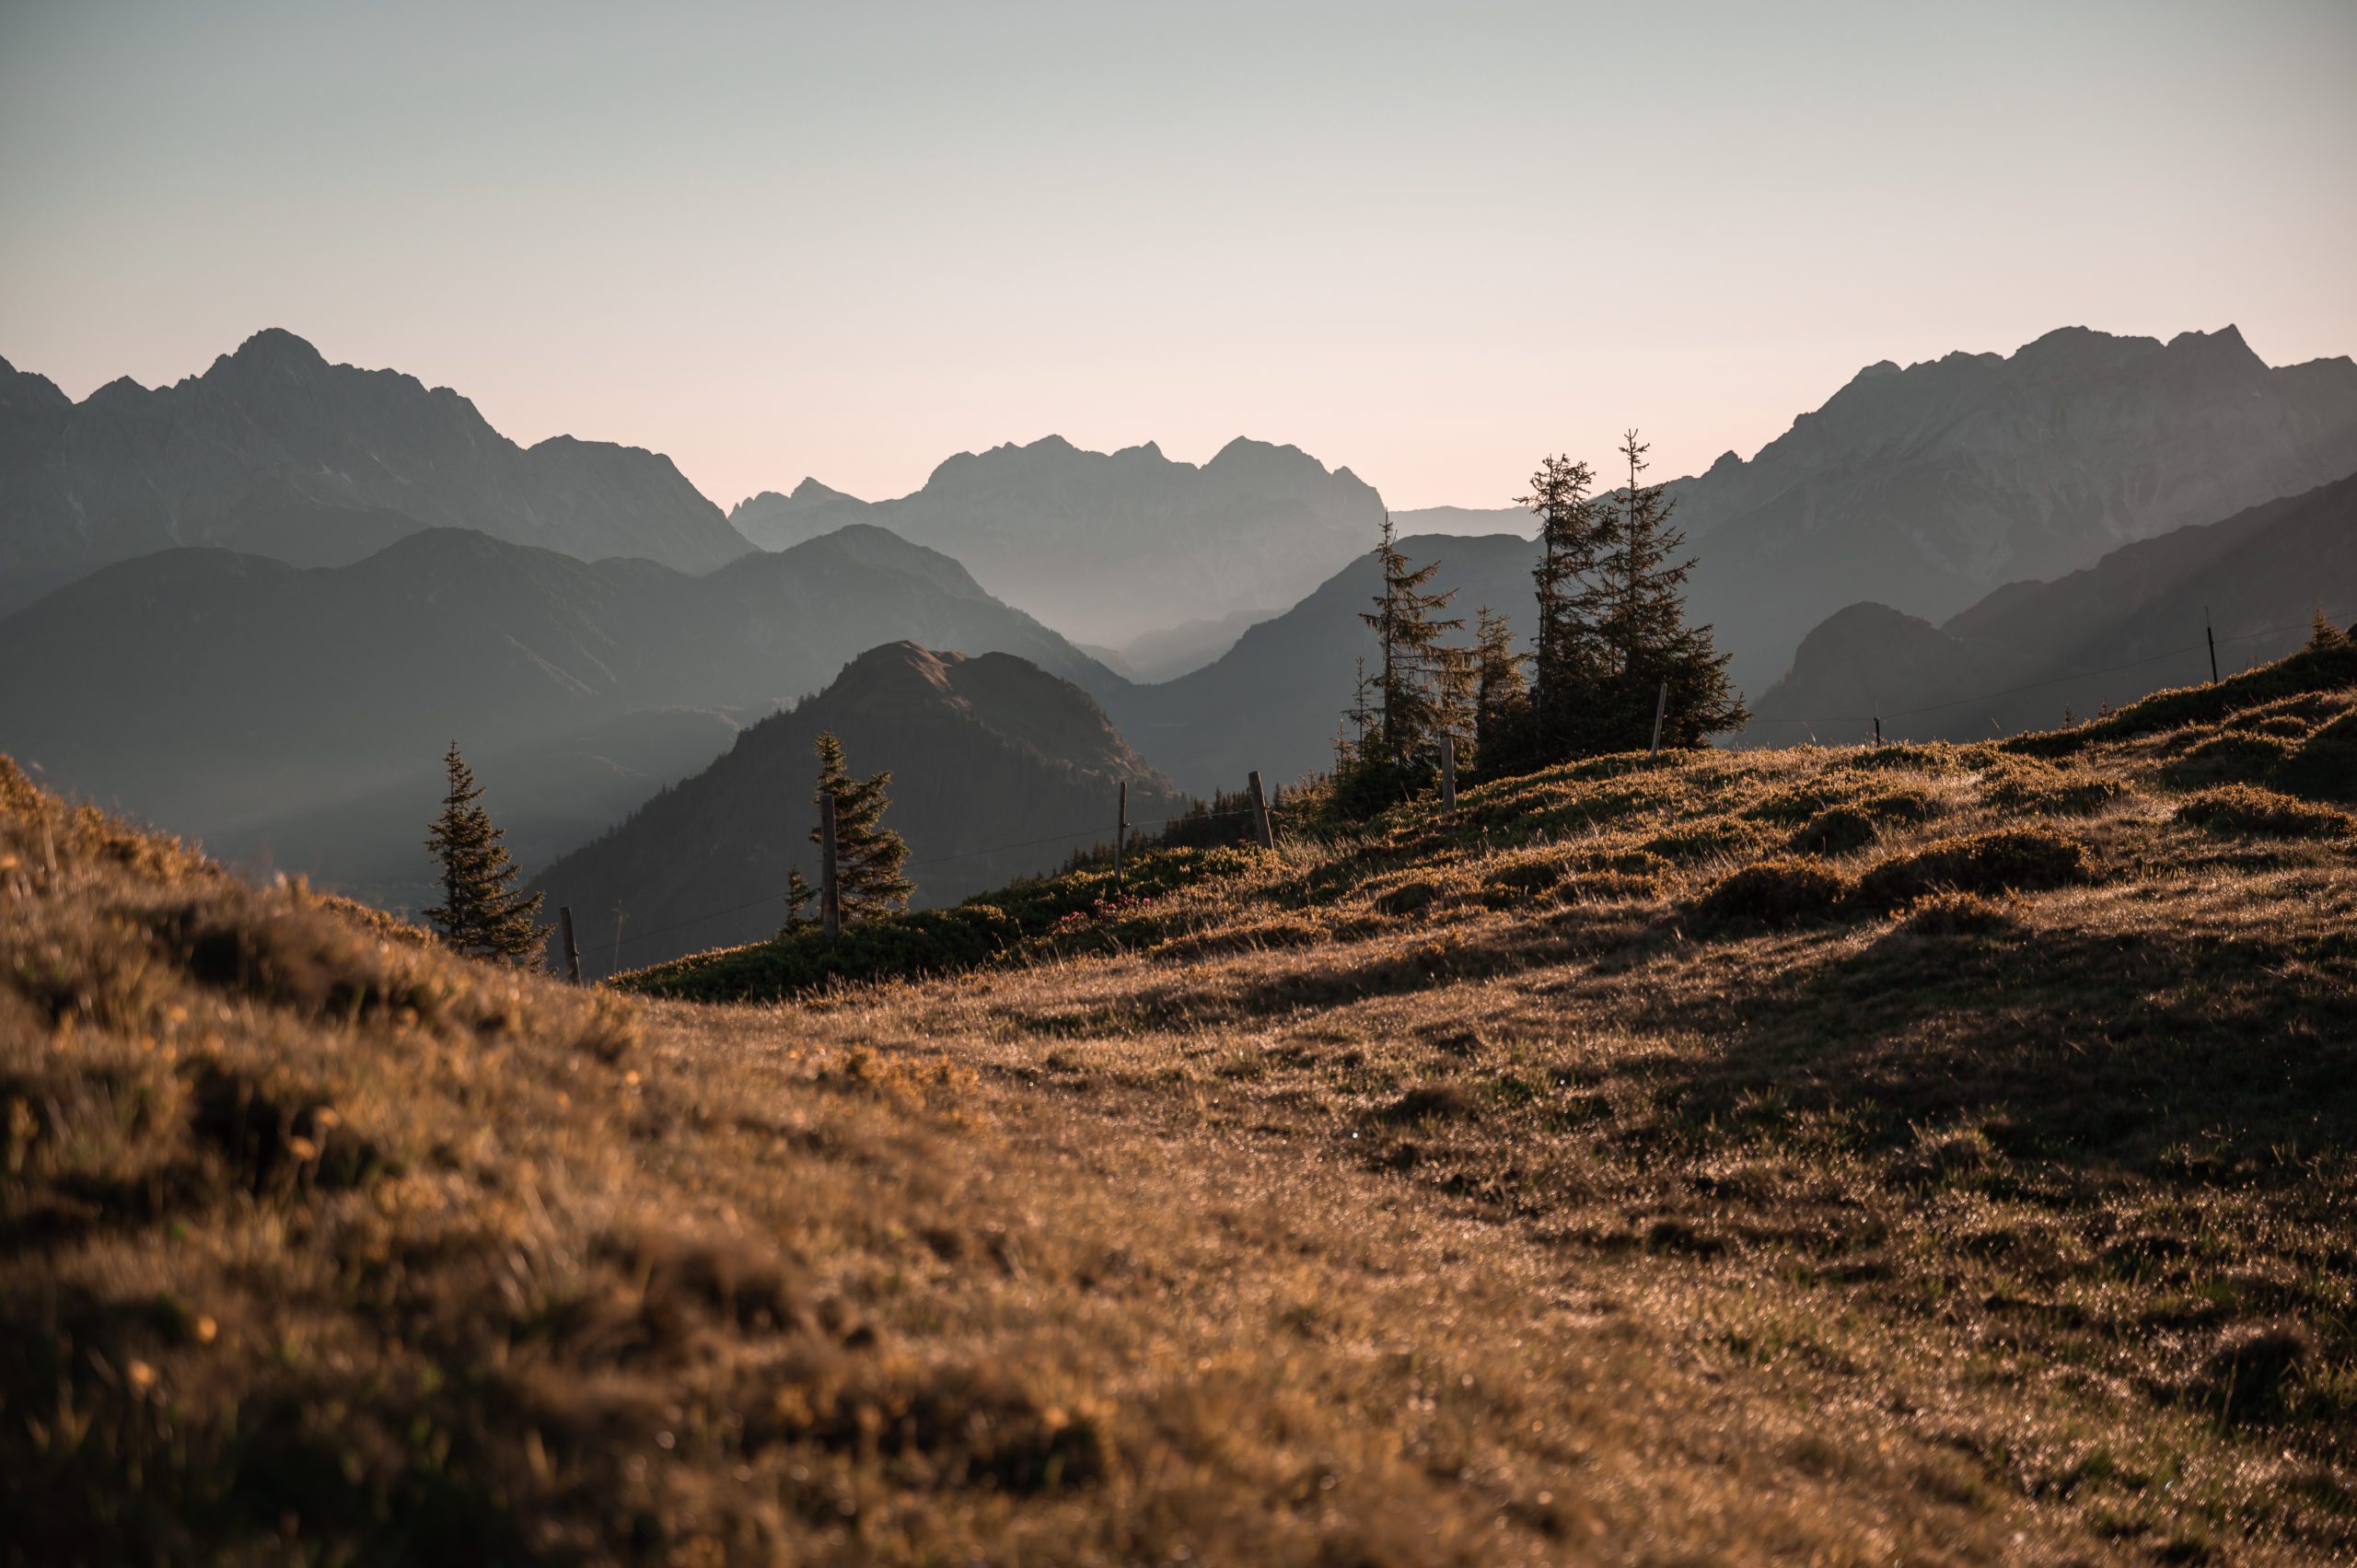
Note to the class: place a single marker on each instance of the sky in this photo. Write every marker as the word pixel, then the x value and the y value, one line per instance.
pixel 1430 242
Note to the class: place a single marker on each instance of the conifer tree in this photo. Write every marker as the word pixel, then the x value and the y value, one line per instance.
pixel 1569 662
pixel 481 912
pixel 1502 712
pixel 1412 683
pixel 799 895
pixel 1640 583
pixel 869 855
pixel 2323 634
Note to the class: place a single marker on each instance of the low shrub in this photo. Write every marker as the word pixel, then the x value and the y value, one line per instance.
pixel 2007 860
pixel 2246 811
pixel 1838 829
pixel 925 942
pixel 1959 914
pixel 1778 893
pixel 1700 841
pixel 2325 766
pixel 2232 754
pixel 1902 758
pixel 2035 789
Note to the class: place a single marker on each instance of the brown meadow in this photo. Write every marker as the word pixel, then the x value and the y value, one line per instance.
pixel 1938 1154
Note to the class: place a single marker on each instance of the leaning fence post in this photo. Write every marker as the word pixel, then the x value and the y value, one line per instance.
pixel 572 952
pixel 2211 634
pixel 1661 709
pixel 830 897
pixel 1449 769
pixel 1120 832
pixel 1261 813
pixel 1877 732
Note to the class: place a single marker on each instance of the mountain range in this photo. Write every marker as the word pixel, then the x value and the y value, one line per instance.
pixel 2139 619
pixel 224 695
pixel 999 768
pixel 273 451
pixel 1925 488
pixel 1105 545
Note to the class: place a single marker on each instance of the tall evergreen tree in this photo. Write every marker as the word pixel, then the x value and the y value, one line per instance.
pixel 1502 712
pixel 869 855
pixel 1641 580
pixel 481 912
pixel 1413 683
pixel 1569 661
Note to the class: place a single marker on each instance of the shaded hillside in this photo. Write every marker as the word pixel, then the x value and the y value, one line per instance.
pixel 210 691
pixel 273 451
pixel 1103 545
pixel 1925 488
pixel 999 769
pixel 1273 700
pixel 2127 625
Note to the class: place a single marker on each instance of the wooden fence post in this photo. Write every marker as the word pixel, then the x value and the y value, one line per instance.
pixel 1661 710
pixel 830 894
pixel 1448 770
pixel 1877 732
pixel 572 951
pixel 1120 832
pixel 2211 635
pixel 1261 813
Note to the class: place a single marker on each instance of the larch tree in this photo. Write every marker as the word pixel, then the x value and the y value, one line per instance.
pixel 1502 712
pixel 1641 581
pixel 869 855
pixel 1568 665
pixel 481 914
pixel 1412 684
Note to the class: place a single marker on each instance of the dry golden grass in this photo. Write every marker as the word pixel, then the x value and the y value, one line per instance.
pixel 1463 1191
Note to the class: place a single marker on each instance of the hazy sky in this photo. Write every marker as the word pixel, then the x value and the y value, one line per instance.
pixel 1430 242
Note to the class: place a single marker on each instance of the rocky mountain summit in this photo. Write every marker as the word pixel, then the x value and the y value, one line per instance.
pixel 1105 545
pixel 276 451
pixel 1925 488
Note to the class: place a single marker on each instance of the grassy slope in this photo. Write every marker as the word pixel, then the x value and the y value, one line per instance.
pixel 1481 1189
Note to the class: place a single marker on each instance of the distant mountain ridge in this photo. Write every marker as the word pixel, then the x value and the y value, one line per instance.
pixel 999 769
pixel 1105 545
pixel 1925 488
pixel 2130 624
pixel 276 451
pixel 217 694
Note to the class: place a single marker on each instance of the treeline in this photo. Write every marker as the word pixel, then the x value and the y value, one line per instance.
pixel 1612 643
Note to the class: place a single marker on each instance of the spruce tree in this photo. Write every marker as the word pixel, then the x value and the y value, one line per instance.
pixel 1640 583
pixel 869 855
pixel 799 895
pixel 1414 681
pixel 1502 712
pixel 481 912
pixel 1568 663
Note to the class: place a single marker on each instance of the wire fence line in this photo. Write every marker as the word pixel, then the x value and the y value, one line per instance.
pixel 2076 674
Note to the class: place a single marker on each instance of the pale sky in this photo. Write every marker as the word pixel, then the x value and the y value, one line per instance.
pixel 1430 242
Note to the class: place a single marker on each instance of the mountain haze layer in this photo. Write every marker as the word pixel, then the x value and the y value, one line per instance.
pixel 999 769
pixel 211 692
pixel 1105 545
pixel 2134 622
pixel 275 451
pixel 1925 488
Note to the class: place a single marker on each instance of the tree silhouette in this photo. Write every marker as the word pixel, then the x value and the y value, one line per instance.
pixel 869 855
pixel 481 912
pixel 1641 598
pixel 1570 661
pixel 1415 682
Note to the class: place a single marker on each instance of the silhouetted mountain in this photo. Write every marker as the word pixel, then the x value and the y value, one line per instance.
pixel 275 451
pixel 1273 700
pixel 2022 654
pixel 999 769
pixel 1102 545
pixel 1466 520
pixel 1926 487
pixel 212 691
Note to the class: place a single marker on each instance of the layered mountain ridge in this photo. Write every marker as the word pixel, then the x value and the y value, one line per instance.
pixel 276 451
pixel 999 769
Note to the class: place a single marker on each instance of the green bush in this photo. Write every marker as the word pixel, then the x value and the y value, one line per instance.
pixel 2008 860
pixel 2244 809
pixel 1774 892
